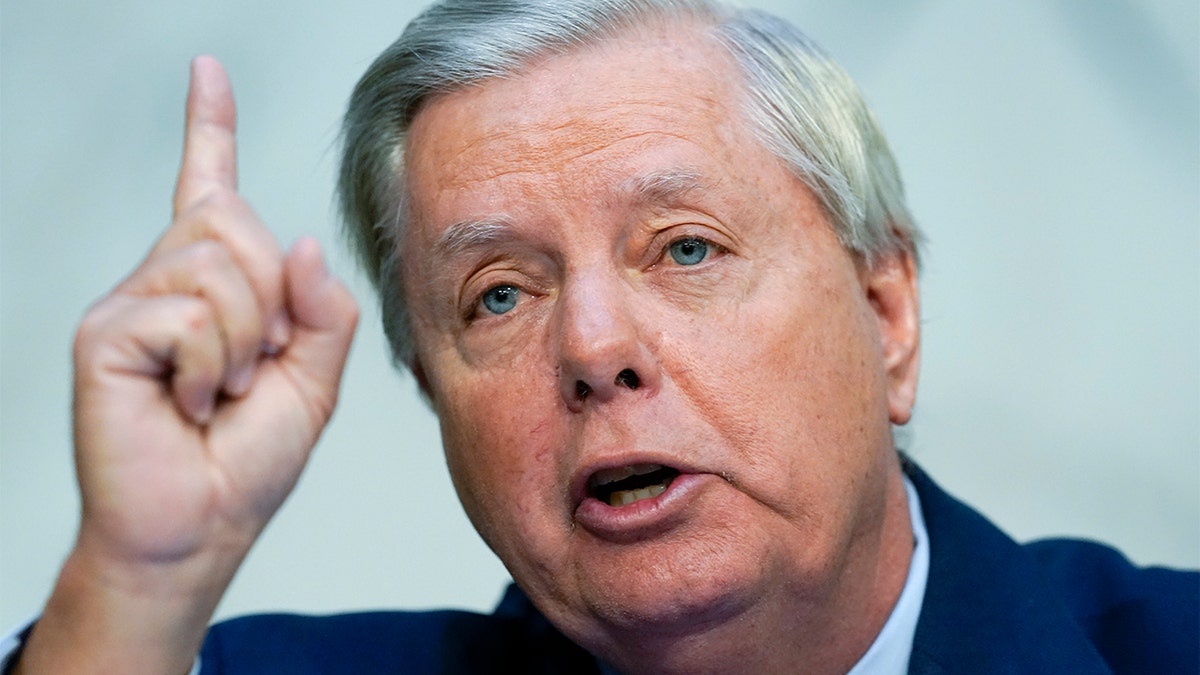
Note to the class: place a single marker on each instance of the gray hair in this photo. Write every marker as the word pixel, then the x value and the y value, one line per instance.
pixel 804 107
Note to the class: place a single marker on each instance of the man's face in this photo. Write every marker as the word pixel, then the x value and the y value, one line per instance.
pixel 619 296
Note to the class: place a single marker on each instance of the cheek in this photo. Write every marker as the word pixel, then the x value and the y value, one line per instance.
pixel 799 398
pixel 500 440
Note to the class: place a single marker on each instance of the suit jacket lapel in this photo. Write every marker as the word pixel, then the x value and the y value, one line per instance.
pixel 987 607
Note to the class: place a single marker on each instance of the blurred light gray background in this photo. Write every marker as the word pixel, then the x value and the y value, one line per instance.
pixel 1051 150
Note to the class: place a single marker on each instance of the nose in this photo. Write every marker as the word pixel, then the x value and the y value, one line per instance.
pixel 603 352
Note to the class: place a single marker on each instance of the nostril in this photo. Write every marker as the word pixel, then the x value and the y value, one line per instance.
pixel 582 389
pixel 628 378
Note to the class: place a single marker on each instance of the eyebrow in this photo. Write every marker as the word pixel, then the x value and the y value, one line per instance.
pixel 663 187
pixel 668 186
pixel 470 235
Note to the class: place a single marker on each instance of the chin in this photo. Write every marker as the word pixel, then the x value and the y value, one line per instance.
pixel 663 621
pixel 664 589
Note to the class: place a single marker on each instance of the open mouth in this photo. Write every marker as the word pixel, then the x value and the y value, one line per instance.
pixel 625 485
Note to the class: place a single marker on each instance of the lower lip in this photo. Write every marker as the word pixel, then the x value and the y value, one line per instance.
pixel 643 518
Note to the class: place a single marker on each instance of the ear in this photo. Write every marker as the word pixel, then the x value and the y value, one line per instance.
pixel 891 285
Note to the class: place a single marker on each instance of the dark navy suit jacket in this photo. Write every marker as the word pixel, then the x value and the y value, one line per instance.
pixel 991 606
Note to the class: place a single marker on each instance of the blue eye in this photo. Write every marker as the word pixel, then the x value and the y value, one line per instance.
pixel 500 299
pixel 689 251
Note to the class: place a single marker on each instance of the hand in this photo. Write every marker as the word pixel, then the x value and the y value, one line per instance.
pixel 202 383
pixel 188 432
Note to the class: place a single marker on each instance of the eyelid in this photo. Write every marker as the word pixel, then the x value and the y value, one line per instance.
pixel 525 264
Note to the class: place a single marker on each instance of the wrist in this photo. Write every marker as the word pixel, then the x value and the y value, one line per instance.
pixel 109 615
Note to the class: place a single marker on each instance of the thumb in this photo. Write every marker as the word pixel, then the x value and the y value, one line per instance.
pixel 324 316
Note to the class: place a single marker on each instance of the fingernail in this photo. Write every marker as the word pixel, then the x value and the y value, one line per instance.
pixel 279 332
pixel 203 412
pixel 239 383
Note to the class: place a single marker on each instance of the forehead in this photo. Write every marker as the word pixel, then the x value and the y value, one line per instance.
pixel 631 105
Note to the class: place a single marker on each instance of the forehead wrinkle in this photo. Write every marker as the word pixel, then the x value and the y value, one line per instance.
pixel 670 187
pixel 532 145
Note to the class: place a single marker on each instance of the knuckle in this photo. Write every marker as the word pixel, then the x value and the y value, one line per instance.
pixel 209 254
pixel 94 324
pixel 219 199
pixel 196 316
pixel 87 331
pixel 206 217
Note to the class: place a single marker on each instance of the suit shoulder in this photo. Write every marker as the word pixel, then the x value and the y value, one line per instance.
pixel 1142 619
pixel 444 641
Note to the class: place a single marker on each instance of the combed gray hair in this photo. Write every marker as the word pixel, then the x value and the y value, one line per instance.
pixel 805 108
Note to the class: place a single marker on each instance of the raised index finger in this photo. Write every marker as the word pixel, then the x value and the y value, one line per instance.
pixel 209 146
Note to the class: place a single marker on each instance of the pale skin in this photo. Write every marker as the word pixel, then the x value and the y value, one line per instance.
pixel 202 382
pixel 769 369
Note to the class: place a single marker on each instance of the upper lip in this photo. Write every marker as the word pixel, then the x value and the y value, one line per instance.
pixel 579 483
